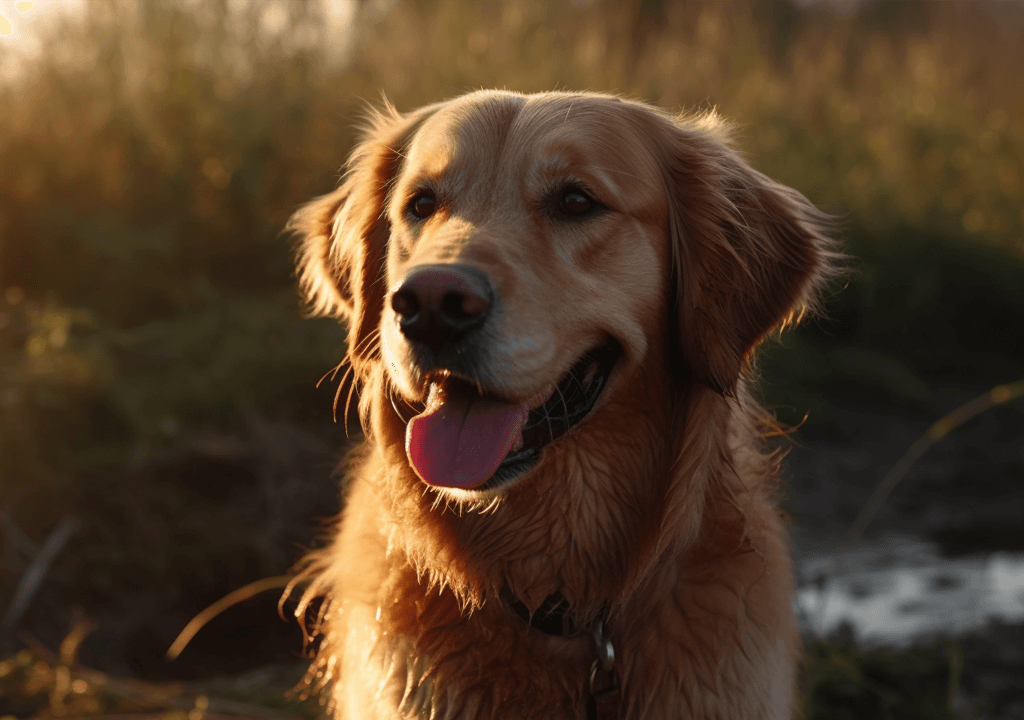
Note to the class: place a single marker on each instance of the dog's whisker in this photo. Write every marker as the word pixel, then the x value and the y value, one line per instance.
pixel 333 372
pixel 565 407
pixel 367 341
pixel 391 399
pixel 547 417
pixel 579 384
pixel 492 506
pixel 390 390
pixel 349 373
pixel 362 345
pixel 437 499
pixel 334 405
pixel 348 401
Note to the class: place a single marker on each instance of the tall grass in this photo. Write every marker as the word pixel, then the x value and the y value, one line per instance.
pixel 154 144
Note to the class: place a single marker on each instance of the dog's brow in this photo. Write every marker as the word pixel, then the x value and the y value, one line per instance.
pixel 620 172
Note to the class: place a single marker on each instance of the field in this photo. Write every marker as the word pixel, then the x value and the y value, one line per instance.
pixel 162 430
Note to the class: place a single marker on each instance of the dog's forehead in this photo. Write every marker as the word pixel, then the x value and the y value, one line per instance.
pixel 534 136
pixel 464 131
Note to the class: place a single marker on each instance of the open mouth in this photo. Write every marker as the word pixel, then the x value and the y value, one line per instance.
pixel 467 440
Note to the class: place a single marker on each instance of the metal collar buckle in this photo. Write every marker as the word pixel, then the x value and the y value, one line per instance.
pixel 603 701
pixel 604 696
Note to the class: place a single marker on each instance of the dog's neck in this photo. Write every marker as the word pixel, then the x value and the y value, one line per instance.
pixel 530 542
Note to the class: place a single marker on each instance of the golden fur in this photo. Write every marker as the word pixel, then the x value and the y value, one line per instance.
pixel 657 509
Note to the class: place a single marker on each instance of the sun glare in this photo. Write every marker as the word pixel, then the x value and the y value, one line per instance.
pixel 6 27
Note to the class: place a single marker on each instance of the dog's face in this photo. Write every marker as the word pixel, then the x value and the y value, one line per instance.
pixel 525 260
pixel 511 262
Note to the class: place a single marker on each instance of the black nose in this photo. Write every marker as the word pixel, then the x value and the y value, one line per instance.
pixel 439 305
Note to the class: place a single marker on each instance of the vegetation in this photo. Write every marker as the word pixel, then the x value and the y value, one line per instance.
pixel 151 341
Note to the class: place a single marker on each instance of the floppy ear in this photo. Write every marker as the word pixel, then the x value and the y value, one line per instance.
pixel 748 254
pixel 341 237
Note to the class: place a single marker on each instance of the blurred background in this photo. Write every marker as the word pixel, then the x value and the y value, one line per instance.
pixel 163 440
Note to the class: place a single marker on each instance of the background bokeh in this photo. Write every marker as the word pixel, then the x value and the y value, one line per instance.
pixel 158 385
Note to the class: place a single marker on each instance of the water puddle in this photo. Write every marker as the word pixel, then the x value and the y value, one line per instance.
pixel 898 590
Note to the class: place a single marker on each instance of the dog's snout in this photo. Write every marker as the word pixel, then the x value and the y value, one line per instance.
pixel 438 305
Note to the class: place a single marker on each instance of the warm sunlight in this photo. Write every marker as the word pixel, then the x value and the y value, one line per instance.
pixel 163 440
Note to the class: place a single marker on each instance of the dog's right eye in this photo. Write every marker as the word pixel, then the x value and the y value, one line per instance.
pixel 575 203
pixel 423 205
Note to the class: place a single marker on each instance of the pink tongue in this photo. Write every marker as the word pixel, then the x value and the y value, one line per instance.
pixel 461 437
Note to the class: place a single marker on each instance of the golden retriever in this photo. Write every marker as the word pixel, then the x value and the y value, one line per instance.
pixel 564 507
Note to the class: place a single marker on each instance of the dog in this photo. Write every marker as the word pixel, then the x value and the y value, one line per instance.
pixel 564 507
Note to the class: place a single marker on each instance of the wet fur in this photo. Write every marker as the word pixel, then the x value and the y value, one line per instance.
pixel 659 506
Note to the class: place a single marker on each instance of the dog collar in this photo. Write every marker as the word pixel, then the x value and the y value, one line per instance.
pixel 550 618
pixel 604 698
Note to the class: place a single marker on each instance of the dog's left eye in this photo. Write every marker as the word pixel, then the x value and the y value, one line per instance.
pixel 575 203
pixel 423 205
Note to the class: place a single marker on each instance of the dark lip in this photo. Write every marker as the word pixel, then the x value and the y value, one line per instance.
pixel 568 406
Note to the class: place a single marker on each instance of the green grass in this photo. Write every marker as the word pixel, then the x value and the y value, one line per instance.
pixel 842 681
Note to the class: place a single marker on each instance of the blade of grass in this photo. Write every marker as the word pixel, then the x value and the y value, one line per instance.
pixel 32 578
pixel 232 598
pixel 941 428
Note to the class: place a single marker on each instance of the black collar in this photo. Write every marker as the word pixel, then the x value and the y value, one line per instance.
pixel 550 618
pixel 604 698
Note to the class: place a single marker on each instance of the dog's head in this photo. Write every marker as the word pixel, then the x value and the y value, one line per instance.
pixel 508 263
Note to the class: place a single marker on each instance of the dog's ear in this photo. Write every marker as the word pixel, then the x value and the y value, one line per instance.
pixel 748 254
pixel 341 238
